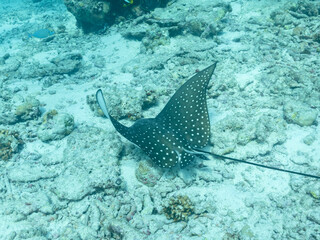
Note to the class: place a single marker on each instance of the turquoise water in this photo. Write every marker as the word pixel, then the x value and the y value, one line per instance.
pixel 69 172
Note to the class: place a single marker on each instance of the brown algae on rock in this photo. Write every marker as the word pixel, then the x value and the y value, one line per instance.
pixel 49 115
pixel 28 110
pixel 179 208
pixel 9 143
pixel 299 113
pixel 55 126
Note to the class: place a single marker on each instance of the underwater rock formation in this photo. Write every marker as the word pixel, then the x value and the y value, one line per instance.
pixel 90 165
pixel 90 14
pixel 67 63
pixel 308 8
pixel 93 15
pixel 259 137
pixel 28 110
pixel 140 100
pixel 157 29
pixel 55 126
pixel 299 113
pixel 19 109
pixel 154 38
pixel 9 144
pixel 53 67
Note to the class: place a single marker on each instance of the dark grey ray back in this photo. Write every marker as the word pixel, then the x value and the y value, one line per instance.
pixel 183 124
pixel 186 113
pixel 159 143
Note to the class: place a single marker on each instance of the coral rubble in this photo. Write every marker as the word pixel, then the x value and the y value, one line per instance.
pixel 9 143
pixel 179 208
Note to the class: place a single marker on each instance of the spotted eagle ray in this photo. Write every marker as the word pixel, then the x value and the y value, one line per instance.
pixel 180 131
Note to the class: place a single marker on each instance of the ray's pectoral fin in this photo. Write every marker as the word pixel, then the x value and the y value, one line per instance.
pixel 123 130
pixel 186 113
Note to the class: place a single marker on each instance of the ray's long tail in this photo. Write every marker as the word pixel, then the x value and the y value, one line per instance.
pixel 257 164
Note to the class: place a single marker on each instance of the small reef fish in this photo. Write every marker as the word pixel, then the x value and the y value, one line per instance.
pixel 41 33
pixel 127 3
